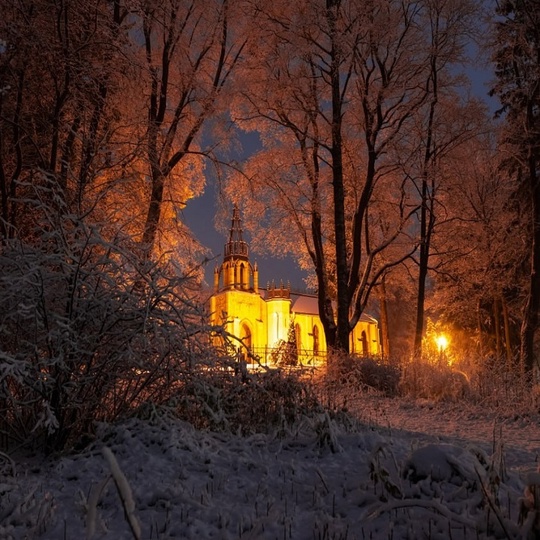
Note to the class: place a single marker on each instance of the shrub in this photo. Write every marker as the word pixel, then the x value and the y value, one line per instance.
pixel 364 373
pixel 88 330
pixel 495 384
pixel 347 378
pixel 262 401
pixel 429 381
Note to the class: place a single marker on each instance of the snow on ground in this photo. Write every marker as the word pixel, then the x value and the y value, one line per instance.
pixel 409 469
pixel 461 422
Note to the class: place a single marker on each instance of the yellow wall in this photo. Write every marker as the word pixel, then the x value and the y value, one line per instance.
pixel 311 330
pixel 372 340
pixel 278 315
pixel 268 322
pixel 237 309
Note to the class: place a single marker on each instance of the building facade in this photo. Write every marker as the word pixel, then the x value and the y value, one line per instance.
pixel 274 323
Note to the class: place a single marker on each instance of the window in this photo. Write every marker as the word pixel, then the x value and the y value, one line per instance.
pixel 365 349
pixel 242 275
pixel 246 336
pixel 298 336
pixel 315 340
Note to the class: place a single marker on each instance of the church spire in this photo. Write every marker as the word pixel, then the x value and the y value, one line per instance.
pixel 236 248
pixel 236 272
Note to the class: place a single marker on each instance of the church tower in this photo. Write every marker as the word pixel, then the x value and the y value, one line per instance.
pixel 236 272
pixel 236 302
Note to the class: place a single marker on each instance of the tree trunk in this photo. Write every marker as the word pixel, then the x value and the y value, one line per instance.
pixel 91 142
pixel 342 331
pixel 427 217
pixel 421 294
pixel 326 309
pixel 480 331
pixel 507 336
pixel 154 212
pixel 497 328
pixel 9 205
pixel 427 223
pixel 530 312
pixel 385 338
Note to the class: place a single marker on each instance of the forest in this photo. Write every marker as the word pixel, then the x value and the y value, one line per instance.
pixel 394 155
pixel 381 170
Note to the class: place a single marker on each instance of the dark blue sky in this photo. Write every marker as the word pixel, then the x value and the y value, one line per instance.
pixel 199 217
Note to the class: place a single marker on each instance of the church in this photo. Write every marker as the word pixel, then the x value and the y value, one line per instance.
pixel 269 322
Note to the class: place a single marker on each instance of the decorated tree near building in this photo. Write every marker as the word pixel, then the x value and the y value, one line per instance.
pixel 286 353
pixel 292 345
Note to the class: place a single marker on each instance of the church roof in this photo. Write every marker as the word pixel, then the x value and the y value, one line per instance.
pixel 307 304
pixel 304 303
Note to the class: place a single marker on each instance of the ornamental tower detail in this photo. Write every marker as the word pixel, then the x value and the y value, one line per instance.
pixel 236 272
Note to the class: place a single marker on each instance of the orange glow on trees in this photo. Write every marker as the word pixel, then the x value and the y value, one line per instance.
pixel 190 51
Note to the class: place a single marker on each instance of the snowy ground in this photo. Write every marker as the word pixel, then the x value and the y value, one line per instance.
pixel 410 469
pixel 461 423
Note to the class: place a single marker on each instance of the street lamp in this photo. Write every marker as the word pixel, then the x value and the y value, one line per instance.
pixel 442 344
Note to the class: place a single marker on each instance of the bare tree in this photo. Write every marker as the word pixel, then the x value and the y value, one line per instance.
pixel 190 53
pixel 478 250
pixel 443 126
pixel 341 85
pixel 60 65
pixel 88 329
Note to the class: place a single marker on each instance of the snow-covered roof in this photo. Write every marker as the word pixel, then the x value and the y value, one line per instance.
pixel 304 303
pixel 307 304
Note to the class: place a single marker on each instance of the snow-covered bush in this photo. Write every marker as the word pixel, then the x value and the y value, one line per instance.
pixel 88 330
pixel 431 381
pixel 498 385
pixel 347 377
pixel 262 401
pixel 379 375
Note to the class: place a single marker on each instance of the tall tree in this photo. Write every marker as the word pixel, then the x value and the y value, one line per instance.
pixel 107 126
pixel 299 69
pixel 343 85
pixel 190 53
pixel 517 57
pixel 60 63
pixel 449 24
pixel 479 262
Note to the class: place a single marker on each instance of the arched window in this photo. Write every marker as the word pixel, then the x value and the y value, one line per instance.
pixel 365 349
pixel 315 340
pixel 246 336
pixel 242 276
pixel 298 335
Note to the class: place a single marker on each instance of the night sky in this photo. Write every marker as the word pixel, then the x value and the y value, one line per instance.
pixel 199 217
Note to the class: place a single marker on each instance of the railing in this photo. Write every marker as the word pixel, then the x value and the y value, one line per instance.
pixel 278 292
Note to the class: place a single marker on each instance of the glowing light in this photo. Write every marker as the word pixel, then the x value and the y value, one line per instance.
pixel 442 342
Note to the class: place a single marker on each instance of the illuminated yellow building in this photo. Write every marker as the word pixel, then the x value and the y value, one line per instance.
pixel 265 319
